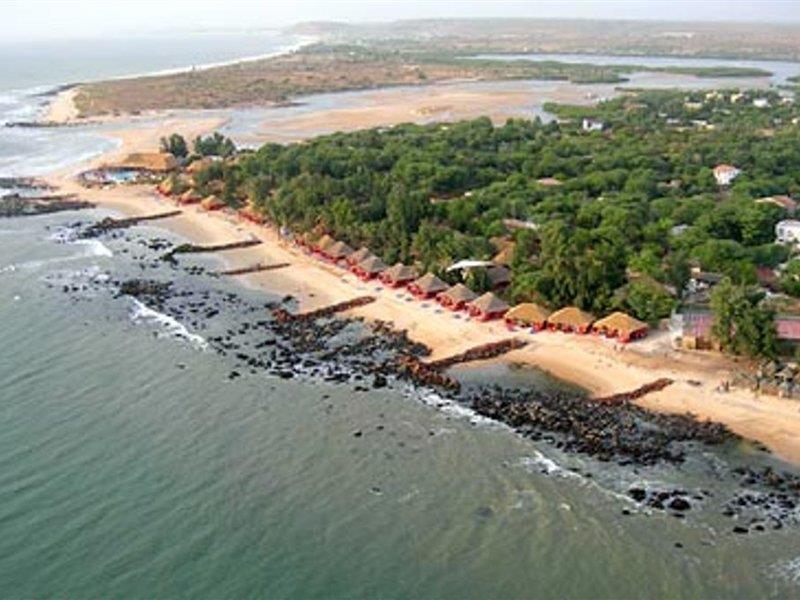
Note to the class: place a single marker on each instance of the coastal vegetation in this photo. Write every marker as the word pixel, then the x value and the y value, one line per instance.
pixel 580 36
pixel 636 207
pixel 324 67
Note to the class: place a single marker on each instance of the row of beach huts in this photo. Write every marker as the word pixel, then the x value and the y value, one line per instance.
pixel 366 266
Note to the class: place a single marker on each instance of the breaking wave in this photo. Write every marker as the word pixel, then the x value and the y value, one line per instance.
pixel 170 326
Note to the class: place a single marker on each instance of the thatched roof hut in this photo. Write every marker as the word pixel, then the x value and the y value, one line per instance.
pixel 324 243
pixel 499 276
pixel 359 255
pixel 398 274
pixel 190 196
pixel 212 203
pixel 571 318
pixel 338 250
pixel 427 286
pixel 149 161
pixel 369 267
pixel 528 314
pixel 456 297
pixel 621 325
pixel 488 306
pixel 168 186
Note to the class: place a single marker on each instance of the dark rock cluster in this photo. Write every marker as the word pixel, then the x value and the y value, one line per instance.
pixel 620 431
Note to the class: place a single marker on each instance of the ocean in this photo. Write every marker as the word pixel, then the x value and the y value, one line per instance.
pixel 132 465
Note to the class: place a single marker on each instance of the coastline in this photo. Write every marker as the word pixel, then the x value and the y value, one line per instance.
pixel 62 109
pixel 592 363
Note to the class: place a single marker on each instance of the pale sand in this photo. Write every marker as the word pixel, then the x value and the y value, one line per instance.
pixel 590 362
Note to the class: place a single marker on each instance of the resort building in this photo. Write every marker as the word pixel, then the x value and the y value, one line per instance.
pixel 487 307
pixel 212 203
pixel 427 286
pixel 456 297
pixel 323 243
pixel 787 231
pixel 359 255
pixel 190 196
pixel 499 276
pixel 337 251
pixel 621 326
pixel 528 314
pixel 570 319
pixel 784 202
pixel 589 124
pixel 398 275
pixel 158 162
pixel 369 268
pixel 725 174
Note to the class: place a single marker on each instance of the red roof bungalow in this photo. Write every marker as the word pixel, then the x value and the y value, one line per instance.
pixel 369 268
pixel 398 275
pixel 427 286
pixel 487 307
pixel 456 297
pixel 788 328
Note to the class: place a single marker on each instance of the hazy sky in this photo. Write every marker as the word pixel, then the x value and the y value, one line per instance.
pixel 36 19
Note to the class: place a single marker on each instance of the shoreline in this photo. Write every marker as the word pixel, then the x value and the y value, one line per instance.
pixel 589 362
pixel 62 110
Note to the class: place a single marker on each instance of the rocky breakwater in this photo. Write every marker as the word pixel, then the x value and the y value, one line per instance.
pixel 607 431
pixel 111 224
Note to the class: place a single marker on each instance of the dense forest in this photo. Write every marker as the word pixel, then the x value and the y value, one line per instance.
pixel 611 218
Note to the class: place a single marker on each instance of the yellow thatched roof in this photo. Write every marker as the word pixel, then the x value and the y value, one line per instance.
pixel 571 316
pixel 505 255
pixel 528 312
pixel 212 202
pixel 359 255
pixel 430 284
pixel 325 242
pixel 400 272
pixel 150 161
pixel 621 323
pixel 489 303
pixel 190 194
pixel 372 264
pixel 460 293
pixel 339 250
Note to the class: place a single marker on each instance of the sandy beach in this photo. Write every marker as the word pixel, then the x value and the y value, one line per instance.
pixel 596 364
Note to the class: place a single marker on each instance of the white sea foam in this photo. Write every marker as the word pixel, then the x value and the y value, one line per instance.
pixel 94 248
pixel 171 327
pixel 456 409
pixel 547 465
pixel 788 570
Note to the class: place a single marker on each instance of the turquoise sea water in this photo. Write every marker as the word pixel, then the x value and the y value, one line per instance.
pixel 132 466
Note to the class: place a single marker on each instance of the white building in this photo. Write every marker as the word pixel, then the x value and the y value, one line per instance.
pixel 761 103
pixel 725 174
pixel 787 231
pixel 592 125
